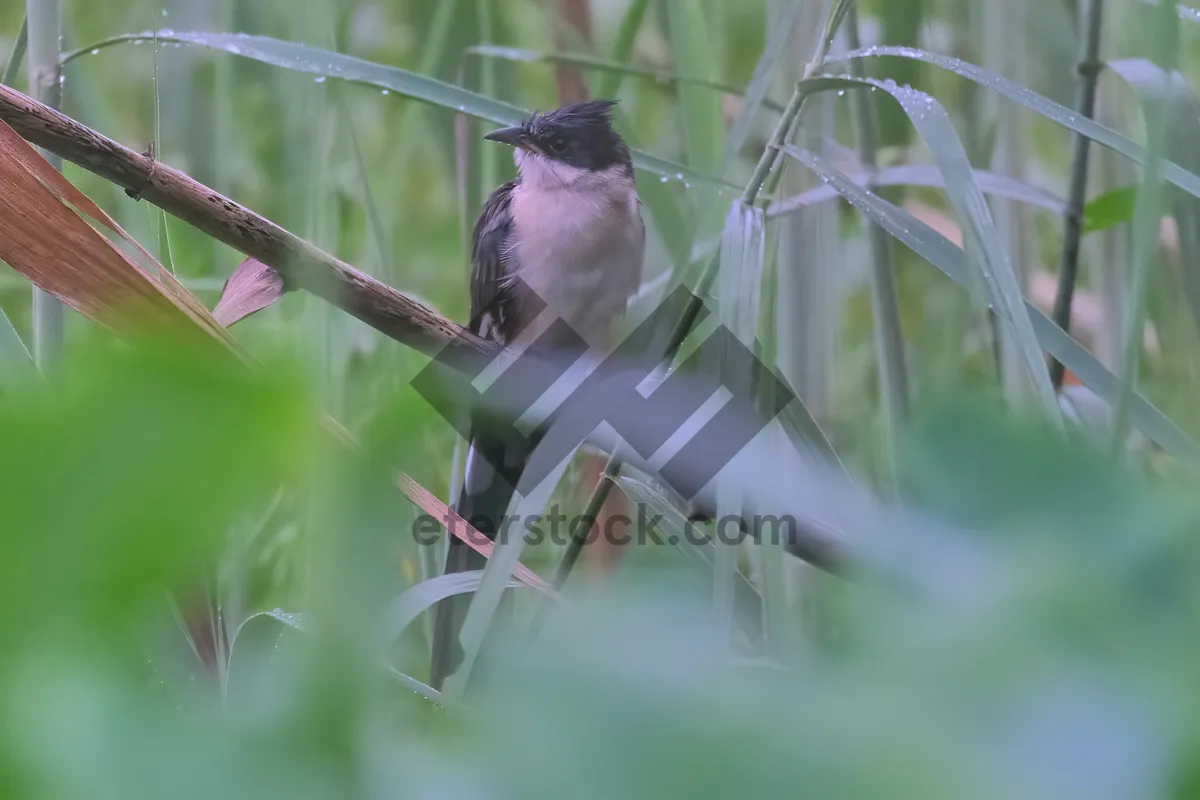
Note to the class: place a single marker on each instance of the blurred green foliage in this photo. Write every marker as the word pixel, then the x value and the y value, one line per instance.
pixel 1030 632
pixel 1043 649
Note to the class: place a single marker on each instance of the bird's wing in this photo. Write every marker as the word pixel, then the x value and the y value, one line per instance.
pixel 491 313
pixel 494 460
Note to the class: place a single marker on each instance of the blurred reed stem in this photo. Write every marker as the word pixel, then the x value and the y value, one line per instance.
pixel 885 303
pixel 631 23
pixel 1163 40
pixel 44 18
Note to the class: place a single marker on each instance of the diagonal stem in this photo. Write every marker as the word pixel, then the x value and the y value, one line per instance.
pixel 302 265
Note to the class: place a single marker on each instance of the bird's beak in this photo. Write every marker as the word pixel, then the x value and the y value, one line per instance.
pixel 515 136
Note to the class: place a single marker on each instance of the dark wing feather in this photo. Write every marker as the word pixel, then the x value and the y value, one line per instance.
pixel 491 314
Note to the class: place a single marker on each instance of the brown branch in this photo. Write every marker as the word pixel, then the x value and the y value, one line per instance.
pixel 302 265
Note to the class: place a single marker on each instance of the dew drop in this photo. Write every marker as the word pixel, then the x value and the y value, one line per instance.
pixel 841 92
pixel 96 51
pixel 319 79
pixel 664 179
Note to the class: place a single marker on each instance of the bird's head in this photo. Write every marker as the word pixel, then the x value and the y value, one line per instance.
pixel 568 143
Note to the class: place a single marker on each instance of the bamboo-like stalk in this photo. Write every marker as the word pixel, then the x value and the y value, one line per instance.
pixel 44 18
pixel 889 336
pixel 1089 73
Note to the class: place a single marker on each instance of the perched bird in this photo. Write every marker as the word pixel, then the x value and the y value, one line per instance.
pixel 566 236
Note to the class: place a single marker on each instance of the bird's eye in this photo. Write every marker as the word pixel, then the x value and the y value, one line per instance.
pixel 558 144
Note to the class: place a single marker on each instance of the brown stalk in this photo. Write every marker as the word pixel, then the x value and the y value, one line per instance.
pixel 301 265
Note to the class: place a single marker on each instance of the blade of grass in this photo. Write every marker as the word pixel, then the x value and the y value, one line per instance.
pixel 631 24
pixel 440 29
pixel 489 165
pixel 426 594
pixel 703 122
pixel 16 362
pixel 1164 39
pixel 930 176
pixel 885 302
pixel 13 68
pixel 791 113
pixel 1163 92
pixel 1055 112
pixel 380 236
pixel 15 358
pixel 316 61
pixel 983 243
pixel 778 34
pixel 951 261
pixel 739 291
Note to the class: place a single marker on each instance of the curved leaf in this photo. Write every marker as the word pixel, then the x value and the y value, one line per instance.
pixel 328 64
pixel 982 239
pixel 1055 112
pixel 926 175
pixel 943 254
pixel 296 621
pixel 417 599
pixel 1114 207
pixel 424 690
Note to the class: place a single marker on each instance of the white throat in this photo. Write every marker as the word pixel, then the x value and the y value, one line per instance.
pixel 545 173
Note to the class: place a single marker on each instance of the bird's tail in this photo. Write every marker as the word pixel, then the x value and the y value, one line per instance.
pixel 494 465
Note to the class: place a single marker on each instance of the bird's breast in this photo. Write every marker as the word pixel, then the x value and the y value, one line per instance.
pixel 580 252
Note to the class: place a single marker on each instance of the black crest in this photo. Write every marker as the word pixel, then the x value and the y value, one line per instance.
pixel 580 134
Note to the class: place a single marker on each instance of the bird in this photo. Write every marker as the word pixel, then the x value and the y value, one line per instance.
pixel 566 237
